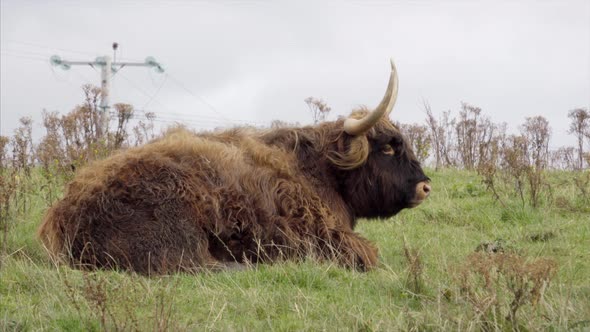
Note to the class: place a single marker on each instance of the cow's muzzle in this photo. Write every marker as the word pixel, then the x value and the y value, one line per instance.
pixel 423 190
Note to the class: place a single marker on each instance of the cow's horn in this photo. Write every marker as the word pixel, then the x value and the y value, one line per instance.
pixel 360 126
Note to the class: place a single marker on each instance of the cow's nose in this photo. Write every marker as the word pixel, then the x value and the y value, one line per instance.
pixel 423 189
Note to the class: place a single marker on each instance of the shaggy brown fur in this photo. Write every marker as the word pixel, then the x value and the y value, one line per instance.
pixel 190 201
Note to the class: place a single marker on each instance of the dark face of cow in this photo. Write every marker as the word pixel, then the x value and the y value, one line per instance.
pixel 380 174
pixel 390 180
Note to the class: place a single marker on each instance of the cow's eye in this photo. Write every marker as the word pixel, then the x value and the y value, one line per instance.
pixel 388 150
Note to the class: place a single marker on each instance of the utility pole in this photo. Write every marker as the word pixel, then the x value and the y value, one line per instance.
pixel 107 67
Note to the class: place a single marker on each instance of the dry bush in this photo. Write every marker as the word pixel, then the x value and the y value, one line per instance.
pixel 50 155
pixel 414 280
pixel 4 158
pixel 70 141
pixel 113 303
pixel 469 140
pixel 77 137
pixel 582 183
pixel 489 173
pixel 537 132
pixel 22 143
pixel 580 127
pixel 466 131
pixel 419 139
pixel 436 136
pixel 318 108
pixel 496 286
pixel 144 130
pixel 8 178
pixel 7 189
pixel 488 166
pixel 514 163
pixel 518 163
pixel 449 150
pixel 22 162
pixel 474 134
pixel 92 121
pixel 85 139
pixel 81 130
pixel 442 134
pixel 563 158
pixel 124 113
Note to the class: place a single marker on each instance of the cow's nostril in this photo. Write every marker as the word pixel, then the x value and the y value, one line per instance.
pixel 422 191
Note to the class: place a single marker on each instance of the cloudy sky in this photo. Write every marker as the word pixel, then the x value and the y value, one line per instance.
pixel 235 62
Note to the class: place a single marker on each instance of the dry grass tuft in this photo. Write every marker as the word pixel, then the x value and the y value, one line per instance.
pixel 498 285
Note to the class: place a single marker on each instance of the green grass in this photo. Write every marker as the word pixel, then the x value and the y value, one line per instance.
pixel 460 215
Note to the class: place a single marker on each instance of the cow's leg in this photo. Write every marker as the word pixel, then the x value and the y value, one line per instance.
pixel 354 251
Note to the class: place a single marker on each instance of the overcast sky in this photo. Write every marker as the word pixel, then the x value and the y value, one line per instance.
pixel 234 62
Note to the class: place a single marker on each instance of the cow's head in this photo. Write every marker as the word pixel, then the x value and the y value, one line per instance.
pixel 379 173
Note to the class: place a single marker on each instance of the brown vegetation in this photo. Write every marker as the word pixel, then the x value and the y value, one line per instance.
pixel 319 109
pixel 497 285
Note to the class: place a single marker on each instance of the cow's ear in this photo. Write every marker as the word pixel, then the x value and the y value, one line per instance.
pixel 350 152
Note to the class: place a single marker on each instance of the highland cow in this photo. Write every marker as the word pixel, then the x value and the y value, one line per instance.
pixel 192 201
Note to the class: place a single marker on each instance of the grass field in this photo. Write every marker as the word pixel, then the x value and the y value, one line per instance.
pixel 429 277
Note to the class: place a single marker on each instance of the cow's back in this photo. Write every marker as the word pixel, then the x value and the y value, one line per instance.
pixel 185 201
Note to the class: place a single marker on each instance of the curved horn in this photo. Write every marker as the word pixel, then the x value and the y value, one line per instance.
pixel 360 126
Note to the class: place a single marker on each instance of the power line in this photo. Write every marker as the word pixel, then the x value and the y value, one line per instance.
pixel 47 47
pixel 84 78
pixel 177 82
pixel 44 55
pixel 157 91
pixel 181 116
pixel 179 121
pixel 151 97
pixel 200 119
pixel 196 121
pixel 23 56
pixel 173 117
